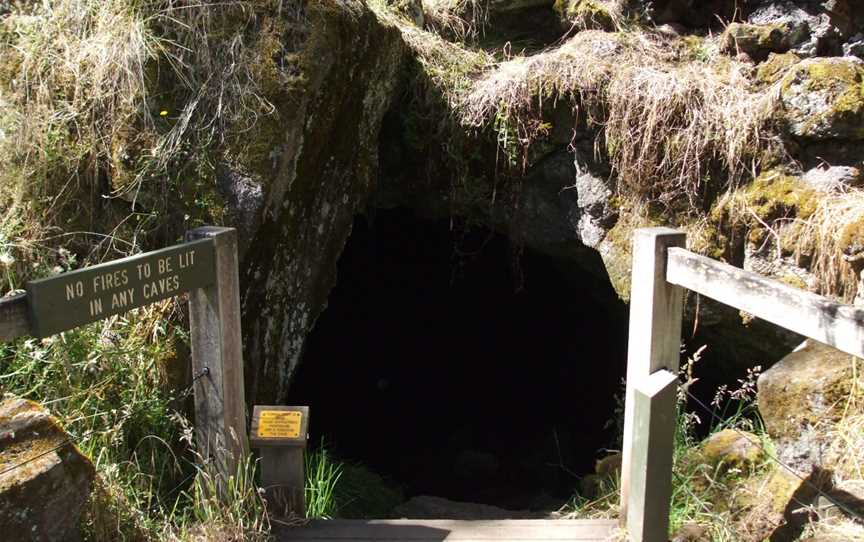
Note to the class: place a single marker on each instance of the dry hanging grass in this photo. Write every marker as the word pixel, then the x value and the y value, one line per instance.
pixel 461 20
pixel 667 124
pixel 826 236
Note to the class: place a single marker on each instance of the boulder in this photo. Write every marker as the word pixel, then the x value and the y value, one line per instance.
pixel 811 28
pixel 823 99
pixel 596 213
pixel 45 480
pixel 733 449
pixel 802 392
pixel 757 41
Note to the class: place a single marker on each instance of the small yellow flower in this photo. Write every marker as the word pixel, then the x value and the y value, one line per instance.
pixel 163 113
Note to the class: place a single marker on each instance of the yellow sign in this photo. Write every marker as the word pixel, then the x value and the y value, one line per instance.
pixel 279 424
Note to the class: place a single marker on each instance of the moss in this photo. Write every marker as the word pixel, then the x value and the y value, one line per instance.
pixel 852 237
pixel 773 199
pixel 617 249
pixel 775 194
pixel 775 67
pixel 732 448
pixel 586 14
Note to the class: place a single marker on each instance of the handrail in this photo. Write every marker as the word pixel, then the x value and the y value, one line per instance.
pixel 814 316
pixel 14 318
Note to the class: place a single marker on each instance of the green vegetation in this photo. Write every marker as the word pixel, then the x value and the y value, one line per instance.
pixel 701 487
pixel 117 388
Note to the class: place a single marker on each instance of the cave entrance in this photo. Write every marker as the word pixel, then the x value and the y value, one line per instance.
pixel 436 368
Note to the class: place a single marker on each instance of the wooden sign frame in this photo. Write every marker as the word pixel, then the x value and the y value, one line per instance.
pixel 205 266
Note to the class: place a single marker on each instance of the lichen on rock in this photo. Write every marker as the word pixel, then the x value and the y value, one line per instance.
pixel 824 99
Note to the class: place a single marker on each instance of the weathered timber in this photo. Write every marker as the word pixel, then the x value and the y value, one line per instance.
pixel 811 315
pixel 282 478
pixel 656 309
pixel 14 317
pixel 463 531
pixel 217 355
pixel 650 472
pixel 97 292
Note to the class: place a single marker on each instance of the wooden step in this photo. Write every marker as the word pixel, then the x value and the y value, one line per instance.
pixel 445 529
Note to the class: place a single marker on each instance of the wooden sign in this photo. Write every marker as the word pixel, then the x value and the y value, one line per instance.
pixel 206 267
pixel 94 293
pixel 279 426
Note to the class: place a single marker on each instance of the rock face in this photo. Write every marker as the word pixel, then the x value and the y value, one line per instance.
pixel 40 500
pixel 327 168
pixel 695 12
pixel 804 390
pixel 824 99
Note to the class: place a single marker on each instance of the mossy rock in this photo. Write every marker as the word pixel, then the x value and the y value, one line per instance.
pixel 805 389
pixel 616 250
pixel 852 238
pixel 756 40
pixel 732 449
pixel 775 195
pixel 775 67
pixel 45 480
pixel 823 98
pixel 593 14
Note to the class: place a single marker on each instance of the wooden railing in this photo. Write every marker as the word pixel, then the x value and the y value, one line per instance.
pixel 662 269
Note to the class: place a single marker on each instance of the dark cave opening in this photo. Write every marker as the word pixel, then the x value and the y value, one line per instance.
pixel 431 367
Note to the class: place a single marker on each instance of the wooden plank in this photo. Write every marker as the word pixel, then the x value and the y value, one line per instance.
pixel 14 317
pixel 651 465
pixel 97 292
pixel 217 352
pixel 655 327
pixel 463 531
pixel 811 315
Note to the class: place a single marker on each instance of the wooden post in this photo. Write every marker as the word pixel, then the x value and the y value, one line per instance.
pixel 281 433
pixel 650 470
pixel 217 355
pixel 14 317
pixel 655 332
